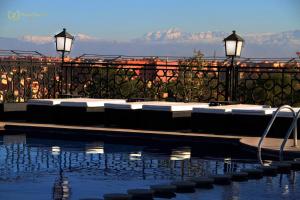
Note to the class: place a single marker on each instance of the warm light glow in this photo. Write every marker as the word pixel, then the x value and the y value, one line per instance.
pixel 4 81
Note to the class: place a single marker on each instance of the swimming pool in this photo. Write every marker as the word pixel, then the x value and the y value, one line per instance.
pixel 36 168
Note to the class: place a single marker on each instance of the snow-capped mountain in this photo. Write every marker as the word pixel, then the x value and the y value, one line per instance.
pixel 171 42
pixel 175 35
pixel 287 37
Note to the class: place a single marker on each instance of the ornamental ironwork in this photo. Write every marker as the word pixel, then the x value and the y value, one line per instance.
pixel 258 81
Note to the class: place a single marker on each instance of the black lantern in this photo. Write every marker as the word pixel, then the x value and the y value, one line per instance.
pixel 64 41
pixel 233 45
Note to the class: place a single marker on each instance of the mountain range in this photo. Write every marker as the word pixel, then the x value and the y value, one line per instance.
pixel 171 42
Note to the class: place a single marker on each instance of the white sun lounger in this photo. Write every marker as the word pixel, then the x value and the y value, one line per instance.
pixel 84 111
pixel 219 118
pixel 174 106
pixel 253 111
pixel 170 115
pixel 132 105
pixel 90 103
pixel 44 110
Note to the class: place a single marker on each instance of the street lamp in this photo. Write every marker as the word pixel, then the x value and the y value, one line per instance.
pixel 64 41
pixel 233 48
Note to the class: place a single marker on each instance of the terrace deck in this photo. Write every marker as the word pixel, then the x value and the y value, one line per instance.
pixel 271 144
pixel 270 147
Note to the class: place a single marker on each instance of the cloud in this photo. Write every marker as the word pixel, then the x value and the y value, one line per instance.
pixel 40 39
pixel 37 39
pixel 84 37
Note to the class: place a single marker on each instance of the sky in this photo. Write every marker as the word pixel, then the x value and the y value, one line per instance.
pixel 123 20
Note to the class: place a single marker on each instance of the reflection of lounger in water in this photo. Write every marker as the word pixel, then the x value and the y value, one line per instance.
pixel 68 111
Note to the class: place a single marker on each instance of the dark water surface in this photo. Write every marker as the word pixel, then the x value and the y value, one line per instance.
pixel 32 168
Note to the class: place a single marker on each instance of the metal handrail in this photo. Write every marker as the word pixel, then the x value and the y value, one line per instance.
pixel 269 127
pixel 288 133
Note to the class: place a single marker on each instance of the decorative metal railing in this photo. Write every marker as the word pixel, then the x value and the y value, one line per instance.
pixel 177 83
pixel 187 80
pixel 22 80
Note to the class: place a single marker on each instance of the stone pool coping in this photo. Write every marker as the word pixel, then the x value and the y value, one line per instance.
pixel 270 147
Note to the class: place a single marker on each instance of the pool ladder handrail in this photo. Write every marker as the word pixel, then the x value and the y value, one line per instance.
pixel 288 134
pixel 275 114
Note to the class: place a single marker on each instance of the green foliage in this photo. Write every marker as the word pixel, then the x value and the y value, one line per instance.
pixel 193 82
pixel 271 88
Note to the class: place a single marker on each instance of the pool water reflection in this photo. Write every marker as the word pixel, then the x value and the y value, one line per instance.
pixel 32 168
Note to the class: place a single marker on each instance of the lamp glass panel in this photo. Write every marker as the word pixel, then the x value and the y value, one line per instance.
pixel 60 43
pixel 230 48
pixel 68 44
pixel 239 48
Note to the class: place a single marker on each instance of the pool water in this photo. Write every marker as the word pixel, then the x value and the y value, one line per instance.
pixel 33 168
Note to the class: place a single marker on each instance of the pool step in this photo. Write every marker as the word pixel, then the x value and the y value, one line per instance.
pixel 295 165
pixel 164 191
pixel 268 170
pixel 239 176
pixel 282 167
pixel 184 186
pixel 116 196
pixel 141 194
pixel 253 173
pixel 205 182
pixel 224 179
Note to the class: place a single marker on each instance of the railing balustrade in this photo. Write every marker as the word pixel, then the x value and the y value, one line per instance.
pixel 204 80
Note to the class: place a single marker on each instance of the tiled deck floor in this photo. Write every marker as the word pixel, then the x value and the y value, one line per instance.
pixel 271 144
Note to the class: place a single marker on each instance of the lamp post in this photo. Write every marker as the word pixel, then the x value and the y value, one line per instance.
pixel 233 48
pixel 64 42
